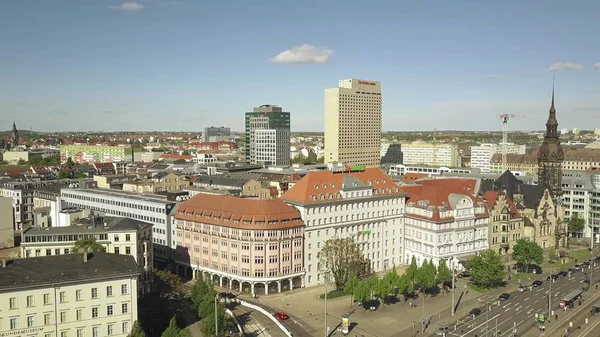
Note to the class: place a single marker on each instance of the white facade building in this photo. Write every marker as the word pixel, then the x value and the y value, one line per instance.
pixel 425 153
pixel 268 136
pixel 443 220
pixel 399 170
pixel 481 155
pixel 365 205
pixel 204 158
pixel 270 146
pixel 152 208
pixel 72 295
pixel 353 123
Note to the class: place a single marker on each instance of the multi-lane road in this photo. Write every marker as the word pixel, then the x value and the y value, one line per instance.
pixel 519 311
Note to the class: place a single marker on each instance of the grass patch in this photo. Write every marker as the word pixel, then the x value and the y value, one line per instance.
pixel 479 289
pixel 333 294
pixel 579 255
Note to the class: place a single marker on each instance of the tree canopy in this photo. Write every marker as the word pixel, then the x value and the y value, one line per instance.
pixel 172 330
pixel 486 269
pixel 167 285
pixel 88 245
pixel 136 330
pixel 444 275
pixel 203 299
pixel 576 224
pixel 341 258
pixel 527 252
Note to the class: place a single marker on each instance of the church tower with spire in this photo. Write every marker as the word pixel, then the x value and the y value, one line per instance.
pixel 15 136
pixel 551 156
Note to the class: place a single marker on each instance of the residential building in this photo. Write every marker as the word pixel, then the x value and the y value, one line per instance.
pixel 7 230
pixel 363 204
pixel 400 169
pixel 526 164
pixel 506 224
pixel 353 123
pixel 444 220
pixel 74 295
pixel 248 187
pixel 204 159
pixel 150 208
pixel 90 153
pixel 160 182
pixel 268 136
pixel 13 157
pixel 250 245
pixel 215 134
pixel 481 155
pixel 114 181
pixel 429 153
pixel 118 235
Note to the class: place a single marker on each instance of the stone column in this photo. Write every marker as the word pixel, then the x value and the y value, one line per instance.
pixel 302 279
pixel 266 288
pixel 291 284
pixel 252 288
pixel 221 281
pixel 230 283
pixel 279 286
pixel 241 286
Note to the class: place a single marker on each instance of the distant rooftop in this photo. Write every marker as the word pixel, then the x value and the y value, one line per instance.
pixel 123 194
pixel 99 224
pixel 55 270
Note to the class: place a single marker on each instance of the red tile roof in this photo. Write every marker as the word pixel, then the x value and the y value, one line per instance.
pixel 328 184
pixel 205 207
pixel 103 166
pixel 411 177
pixel 491 197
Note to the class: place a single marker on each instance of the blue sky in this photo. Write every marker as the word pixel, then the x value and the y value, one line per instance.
pixel 182 65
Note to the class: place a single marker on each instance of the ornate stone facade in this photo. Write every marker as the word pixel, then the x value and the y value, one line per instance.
pixel 506 223
pixel 544 224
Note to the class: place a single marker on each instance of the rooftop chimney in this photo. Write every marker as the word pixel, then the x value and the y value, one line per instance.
pixel 85 257
pixel 3 263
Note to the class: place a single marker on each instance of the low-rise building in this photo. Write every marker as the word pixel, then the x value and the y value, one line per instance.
pixel 444 221
pixel 160 182
pixel 93 294
pixel 118 235
pixel 13 157
pixel 364 204
pixel 430 153
pixel 150 208
pixel 248 186
pixel 114 181
pixel 481 155
pixel 250 245
pixel 90 153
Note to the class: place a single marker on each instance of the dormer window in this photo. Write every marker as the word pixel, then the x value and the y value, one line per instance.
pixel 377 181
pixel 322 197
pixel 329 196
pixel 370 183
pixel 316 187
pixel 332 185
pixel 324 185
pixel 313 197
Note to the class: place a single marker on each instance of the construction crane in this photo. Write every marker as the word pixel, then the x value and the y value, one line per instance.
pixel 505 118
pixel 434 147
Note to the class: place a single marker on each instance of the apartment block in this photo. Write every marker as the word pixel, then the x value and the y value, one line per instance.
pixel 268 136
pixel 118 235
pixel 428 153
pixel 151 208
pixel 91 153
pixel 74 295
pixel 250 245
pixel 353 123
pixel 481 155
pixel 363 204
pixel 215 134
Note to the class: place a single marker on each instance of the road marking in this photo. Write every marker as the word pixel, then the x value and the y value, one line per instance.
pixel 507 309
pixel 527 299
pixel 536 301
pixel 529 312
pixel 468 332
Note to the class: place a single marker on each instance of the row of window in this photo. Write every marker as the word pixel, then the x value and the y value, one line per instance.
pixel 79 296
pixel 63 316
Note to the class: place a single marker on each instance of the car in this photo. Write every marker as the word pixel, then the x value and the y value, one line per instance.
pixel 475 312
pixel 552 277
pixel 504 297
pixel 537 283
pixel 443 331
pixel 463 274
pixel 577 266
pixel 562 273
pixel 281 316
pixel 522 288
pixel 597 259
pixel 586 263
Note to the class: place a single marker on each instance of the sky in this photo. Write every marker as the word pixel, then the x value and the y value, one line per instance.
pixel 144 65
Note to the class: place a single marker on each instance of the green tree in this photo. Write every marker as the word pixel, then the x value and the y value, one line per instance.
pixel 207 305
pixel 198 293
pixel 136 330
pixel 362 292
pixel 21 162
pixel 341 257
pixel 70 162
pixel 527 252
pixel 208 323
pixel 64 175
pixel 412 270
pixel 88 245
pixel 486 269
pixel 576 225
pixel 168 285
pixel 80 175
pixel 172 330
pixel 426 276
pixel 444 275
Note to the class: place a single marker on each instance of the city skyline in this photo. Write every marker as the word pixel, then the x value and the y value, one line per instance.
pixel 79 66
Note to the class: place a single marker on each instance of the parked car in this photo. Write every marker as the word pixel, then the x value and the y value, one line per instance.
pixel 443 331
pixel 586 263
pixel 475 312
pixel 522 288
pixel 537 283
pixel 504 297
pixel 562 273
pixel 463 274
pixel 281 316
pixel 552 277
pixel 577 266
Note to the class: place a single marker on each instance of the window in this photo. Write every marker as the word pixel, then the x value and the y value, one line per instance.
pixel 94 292
pixel 30 321
pixel 63 296
pixel 64 334
pixel 125 327
pixel 116 238
pixel 123 289
pixel 94 312
pixel 124 308
pixel 109 291
pixel 116 250
pixel 46 299
pixel 63 316
pixel 79 332
pixel 127 237
pixel 110 329
pixel 47 319
pixel 30 301
pixel 128 250
pixel 13 324
pixel 78 295
pixel 95 331
pixel 109 310
pixel 12 303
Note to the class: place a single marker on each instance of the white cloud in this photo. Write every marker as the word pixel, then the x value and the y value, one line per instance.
pixel 564 66
pixel 303 54
pixel 597 65
pixel 130 6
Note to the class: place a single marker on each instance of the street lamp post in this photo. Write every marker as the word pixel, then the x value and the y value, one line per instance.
pixel 216 316
pixel 423 315
pixel 326 279
pixel 453 285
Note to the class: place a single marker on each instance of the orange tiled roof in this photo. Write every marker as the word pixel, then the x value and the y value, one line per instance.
pixel 229 210
pixel 491 197
pixel 100 166
pixel 328 184
pixel 411 177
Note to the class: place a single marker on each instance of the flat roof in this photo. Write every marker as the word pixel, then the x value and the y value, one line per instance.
pixel 20 274
pixel 102 224
pixel 123 194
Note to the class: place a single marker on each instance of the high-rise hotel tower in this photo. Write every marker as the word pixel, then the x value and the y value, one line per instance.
pixel 353 123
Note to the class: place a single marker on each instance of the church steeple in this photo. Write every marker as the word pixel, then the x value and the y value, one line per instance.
pixel 551 156
pixel 15 136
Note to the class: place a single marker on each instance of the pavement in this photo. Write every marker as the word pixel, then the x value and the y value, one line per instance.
pixel 256 324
